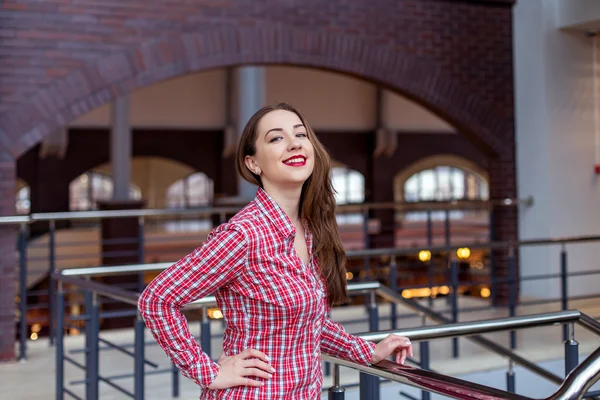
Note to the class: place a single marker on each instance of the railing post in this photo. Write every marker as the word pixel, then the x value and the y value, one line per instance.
pixel 60 362
pixel 571 350
pixel 366 238
pixel 52 262
pixel 454 300
pixel 141 251
pixel 367 245
pixel 512 281
pixel 23 292
pixel 493 285
pixel 424 352
pixel 139 358
pixel 449 257
pixel 510 378
pixel 447 226
pixel 336 392
pixel 205 332
pixel 564 293
pixel 429 263
pixel 175 380
pixel 92 360
pixel 369 385
pixel 394 279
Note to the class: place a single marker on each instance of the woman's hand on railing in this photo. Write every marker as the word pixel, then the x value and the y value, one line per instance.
pixel 393 344
pixel 236 370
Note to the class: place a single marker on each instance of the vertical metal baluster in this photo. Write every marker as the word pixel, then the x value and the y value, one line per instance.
pixel 139 358
pixel 394 279
pixel 510 378
pixel 424 350
pixel 141 252
pixel 454 300
pixel 369 385
pixel 564 297
pixel 23 292
pixel 571 350
pixel 94 350
pixel 60 362
pixel 493 285
pixel 336 392
pixel 430 262
pixel 512 279
pixel 205 332
pixel 52 257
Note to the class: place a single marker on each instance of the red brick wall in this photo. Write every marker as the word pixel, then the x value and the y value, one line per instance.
pixel 62 59
pixel 8 264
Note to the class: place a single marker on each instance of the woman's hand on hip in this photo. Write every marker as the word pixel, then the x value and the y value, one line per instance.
pixel 237 370
pixel 393 344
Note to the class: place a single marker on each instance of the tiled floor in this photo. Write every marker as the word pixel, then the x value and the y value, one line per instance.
pixel 35 378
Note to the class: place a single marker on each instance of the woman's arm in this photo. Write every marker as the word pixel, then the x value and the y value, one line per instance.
pixel 337 342
pixel 197 275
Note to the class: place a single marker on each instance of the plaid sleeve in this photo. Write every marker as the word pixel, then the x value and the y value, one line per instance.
pixel 201 273
pixel 337 342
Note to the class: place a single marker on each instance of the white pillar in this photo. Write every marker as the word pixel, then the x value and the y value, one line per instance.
pixel 120 149
pixel 554 147
pixel 251 97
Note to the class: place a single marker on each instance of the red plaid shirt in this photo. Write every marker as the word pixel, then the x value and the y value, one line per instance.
pixel 270 301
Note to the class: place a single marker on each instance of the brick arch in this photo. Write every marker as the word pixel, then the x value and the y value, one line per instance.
pixel 153 61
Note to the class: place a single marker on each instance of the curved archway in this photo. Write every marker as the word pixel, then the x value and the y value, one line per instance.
pixel 432 162
pixel 230 45
pixel 90 187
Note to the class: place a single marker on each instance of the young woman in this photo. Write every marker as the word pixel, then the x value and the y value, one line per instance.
pixel 275 268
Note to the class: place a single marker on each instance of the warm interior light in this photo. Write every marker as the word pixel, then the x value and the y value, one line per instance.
pixel 424 255
pixel 485 292
pixel 463 252
pixel 34 336
pixel 214 313
pixel 349 276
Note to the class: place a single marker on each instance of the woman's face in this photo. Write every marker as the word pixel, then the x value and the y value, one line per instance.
pixel 284 155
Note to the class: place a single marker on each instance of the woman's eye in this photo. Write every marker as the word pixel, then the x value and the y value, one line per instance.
pixel 275 139
pixel 301 135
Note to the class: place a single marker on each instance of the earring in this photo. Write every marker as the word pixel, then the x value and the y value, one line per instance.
pixel 257 172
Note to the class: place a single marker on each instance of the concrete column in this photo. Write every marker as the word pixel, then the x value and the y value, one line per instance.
pixel 555 146
pixel 251 97
pixel 120 149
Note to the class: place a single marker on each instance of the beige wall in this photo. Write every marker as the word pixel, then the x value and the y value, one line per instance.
pixel 191 101
pixel 331 101
pixel 402 114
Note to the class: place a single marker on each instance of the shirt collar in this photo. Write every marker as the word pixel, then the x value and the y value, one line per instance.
pixel 274 213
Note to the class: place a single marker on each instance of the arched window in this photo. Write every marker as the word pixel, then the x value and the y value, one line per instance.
pixel 349 186
pixel 194 190
pixel 89 188
pixel 22 202
pixel 443 183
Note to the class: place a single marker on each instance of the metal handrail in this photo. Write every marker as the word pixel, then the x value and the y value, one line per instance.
pixel 496 245
pixel 406 206
pixel 577 382
pixel 486 326
pixel 427 380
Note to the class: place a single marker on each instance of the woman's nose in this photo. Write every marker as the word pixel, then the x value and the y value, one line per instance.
pixel 294 143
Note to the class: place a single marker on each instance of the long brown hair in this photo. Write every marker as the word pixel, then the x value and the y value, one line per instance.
pixel 316 207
